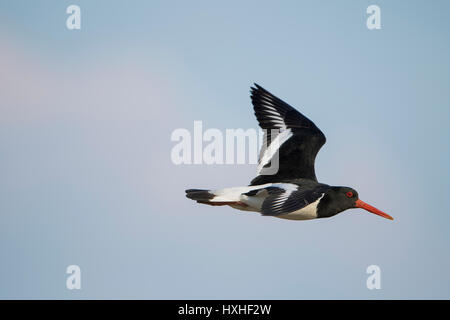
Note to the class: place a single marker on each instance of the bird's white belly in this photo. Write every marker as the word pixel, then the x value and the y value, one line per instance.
pixel 305 213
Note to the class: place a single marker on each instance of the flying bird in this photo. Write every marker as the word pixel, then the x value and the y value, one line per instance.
pixel 291 191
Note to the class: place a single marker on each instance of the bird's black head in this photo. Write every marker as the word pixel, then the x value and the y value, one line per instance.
pixel 338 199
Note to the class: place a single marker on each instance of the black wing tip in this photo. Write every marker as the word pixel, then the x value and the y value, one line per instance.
pixel 257 92
pixel 256 87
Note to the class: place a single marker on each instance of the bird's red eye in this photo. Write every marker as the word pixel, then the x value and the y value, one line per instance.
pixel 349 194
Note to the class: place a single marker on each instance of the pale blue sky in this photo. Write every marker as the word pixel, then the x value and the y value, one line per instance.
pixel 85 125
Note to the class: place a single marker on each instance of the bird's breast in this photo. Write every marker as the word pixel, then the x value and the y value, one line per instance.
pixel 305 213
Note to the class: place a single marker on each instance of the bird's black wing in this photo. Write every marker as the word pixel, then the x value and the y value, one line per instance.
pixel 292 141
pixel 282 201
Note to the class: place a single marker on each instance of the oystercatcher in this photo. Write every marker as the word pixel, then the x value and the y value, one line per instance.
pixel 292 142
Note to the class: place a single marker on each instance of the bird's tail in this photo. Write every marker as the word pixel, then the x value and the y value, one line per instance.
pixel 220 197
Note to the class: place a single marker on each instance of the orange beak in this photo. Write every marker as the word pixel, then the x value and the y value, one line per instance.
pixel 368 207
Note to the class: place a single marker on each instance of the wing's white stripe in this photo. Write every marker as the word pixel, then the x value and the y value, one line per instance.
pixel 278 124
pixel 270 109
pixel 274 112
pixel 275 119
pixel 281 138
pixel 273 116
pixel 283 198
